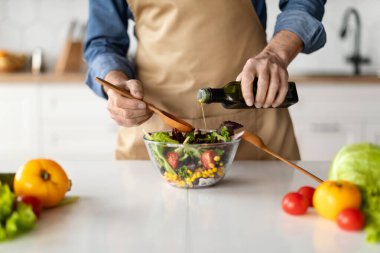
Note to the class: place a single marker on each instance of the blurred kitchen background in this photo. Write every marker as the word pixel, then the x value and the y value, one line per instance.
pixel 51 113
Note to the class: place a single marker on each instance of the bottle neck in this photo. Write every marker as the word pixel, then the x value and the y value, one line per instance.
pixel 211 95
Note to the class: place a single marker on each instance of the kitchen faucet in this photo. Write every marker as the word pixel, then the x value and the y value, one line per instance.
pixel 356 59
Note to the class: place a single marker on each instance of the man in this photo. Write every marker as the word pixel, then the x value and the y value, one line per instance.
pixel 187 45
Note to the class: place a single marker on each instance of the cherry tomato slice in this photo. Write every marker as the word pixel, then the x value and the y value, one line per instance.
pixel 351 219
pixel 308 192
pixel 295 203
pixel 34 202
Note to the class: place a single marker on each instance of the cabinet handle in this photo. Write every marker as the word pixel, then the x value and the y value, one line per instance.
pixel 325 127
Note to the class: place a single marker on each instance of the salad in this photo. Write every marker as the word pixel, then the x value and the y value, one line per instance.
pixel 196 159
pixel 15 217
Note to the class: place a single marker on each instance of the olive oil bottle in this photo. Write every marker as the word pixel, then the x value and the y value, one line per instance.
pixel 231 97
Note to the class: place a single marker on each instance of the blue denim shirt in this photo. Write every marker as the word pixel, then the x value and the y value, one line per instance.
pixel 107 41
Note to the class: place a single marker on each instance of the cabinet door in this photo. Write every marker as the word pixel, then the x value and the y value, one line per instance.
pixel 372 132
pixel 330 116
pixel 87 139
pixel 18 121
pixel 321 140
pixel 75 123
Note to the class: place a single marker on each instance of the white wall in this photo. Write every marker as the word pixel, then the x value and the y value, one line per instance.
pixel 332 57
pixel 27 24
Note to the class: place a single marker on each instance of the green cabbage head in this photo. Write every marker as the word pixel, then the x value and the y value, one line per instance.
pixel 359 163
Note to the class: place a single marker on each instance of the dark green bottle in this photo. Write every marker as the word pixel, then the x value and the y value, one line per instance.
pixel 230 96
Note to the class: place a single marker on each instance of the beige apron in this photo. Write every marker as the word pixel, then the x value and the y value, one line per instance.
pixel 187 45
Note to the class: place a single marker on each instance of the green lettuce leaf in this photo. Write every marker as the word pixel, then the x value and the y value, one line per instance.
pixel 13 221
pixel 162 137
pixel 3 233
pixel 225 134
pixel 360 164
pixel 7 199
pixel 21 220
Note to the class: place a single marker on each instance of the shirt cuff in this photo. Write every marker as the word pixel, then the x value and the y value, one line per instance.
pixel 102 65
pixel 309 29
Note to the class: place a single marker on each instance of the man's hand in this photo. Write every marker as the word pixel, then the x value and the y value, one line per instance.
pixel 125 111
pixel 270 68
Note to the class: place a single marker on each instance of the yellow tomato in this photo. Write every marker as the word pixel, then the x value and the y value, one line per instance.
pixel 44 179
pixel 331 197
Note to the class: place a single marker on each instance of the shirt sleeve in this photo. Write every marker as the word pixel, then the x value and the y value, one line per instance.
pixel 107 41
pixel 303 17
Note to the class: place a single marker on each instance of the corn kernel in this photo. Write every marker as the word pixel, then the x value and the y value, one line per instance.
pixel 214 169
pixel 221 164
pixel 217 158
pixel 220 173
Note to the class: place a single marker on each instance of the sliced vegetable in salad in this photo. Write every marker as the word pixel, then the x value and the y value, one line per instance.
pixel 15 217
pixel 194 159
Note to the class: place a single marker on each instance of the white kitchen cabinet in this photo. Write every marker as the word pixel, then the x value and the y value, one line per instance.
pixel 329 116
pixel 54 120
pixel 19 131
pixel 319 140
pixel 75 123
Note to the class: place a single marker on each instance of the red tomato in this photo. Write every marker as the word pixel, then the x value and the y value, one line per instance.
pixel 34 202
pixel 172 158
pixel 295 203
pixel 308 192
pixel 351 219
pixel 207 159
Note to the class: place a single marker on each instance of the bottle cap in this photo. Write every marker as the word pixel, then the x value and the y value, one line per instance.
pixel 203 95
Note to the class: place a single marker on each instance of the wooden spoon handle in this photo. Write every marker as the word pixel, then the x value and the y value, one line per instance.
pixel 153 108
pixel 115 88
pixel 124 93
pixel 307 173
pixel 256 141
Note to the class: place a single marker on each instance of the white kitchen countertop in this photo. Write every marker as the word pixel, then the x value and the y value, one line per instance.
pixel 125 206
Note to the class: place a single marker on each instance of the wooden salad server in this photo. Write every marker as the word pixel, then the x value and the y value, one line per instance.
pixel 168 118
pixel 258 142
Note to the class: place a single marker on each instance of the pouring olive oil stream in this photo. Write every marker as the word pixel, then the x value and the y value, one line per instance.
pixel 231 97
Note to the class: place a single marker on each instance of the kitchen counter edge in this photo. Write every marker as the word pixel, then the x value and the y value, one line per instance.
pixel 7 78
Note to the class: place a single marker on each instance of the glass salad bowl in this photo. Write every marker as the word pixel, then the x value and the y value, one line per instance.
pixel 191 165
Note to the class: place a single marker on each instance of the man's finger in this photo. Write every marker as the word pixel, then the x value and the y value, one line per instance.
pixel 284 86
pixel 136 88
pixel 262 88
pixel 117 100
pixel 130 122
pixel 247 87
pixel 272 90
pixel 238 78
